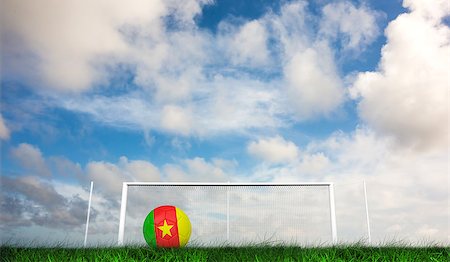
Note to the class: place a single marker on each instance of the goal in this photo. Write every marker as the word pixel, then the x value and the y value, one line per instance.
pixel 235 213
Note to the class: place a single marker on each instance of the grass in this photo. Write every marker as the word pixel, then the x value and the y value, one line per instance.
pixel 254 253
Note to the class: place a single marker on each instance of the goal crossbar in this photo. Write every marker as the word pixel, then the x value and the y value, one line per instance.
pixel 125 185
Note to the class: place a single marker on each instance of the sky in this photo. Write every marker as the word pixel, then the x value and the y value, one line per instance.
pixel 202 90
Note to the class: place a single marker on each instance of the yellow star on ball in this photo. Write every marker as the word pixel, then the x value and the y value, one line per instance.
pixel 165 229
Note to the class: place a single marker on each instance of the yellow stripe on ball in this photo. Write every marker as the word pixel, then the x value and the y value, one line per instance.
pixel 184 227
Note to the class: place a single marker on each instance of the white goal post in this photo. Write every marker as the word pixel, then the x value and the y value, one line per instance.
pixel 125 186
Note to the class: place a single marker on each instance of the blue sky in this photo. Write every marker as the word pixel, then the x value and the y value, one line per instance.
pixel 90 140
pixel 197 90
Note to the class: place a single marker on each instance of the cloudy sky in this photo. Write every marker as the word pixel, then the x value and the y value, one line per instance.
pixel 200 90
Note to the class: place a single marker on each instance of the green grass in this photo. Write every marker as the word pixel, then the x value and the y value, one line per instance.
pixel 257 253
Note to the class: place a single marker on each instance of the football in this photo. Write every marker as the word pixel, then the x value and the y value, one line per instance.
pixel 167 226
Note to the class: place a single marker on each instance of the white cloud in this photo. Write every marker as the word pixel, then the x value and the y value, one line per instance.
pixel 274 150
pixel 407 98
pixel 4 130
pixel 313 86
pixel 31 159
pixel 65 168
pixel 247 46
pixel 130 111
pixel 224 163
pixel 70 42
pixel 407 189
pixel 196 169
pixel 170 67
pixel 354 27
pixel 289 28
pixel 176 120
pixel 185 82
pixel 313 164
pixel 109 176
pixel 435 11
pixel 237 105
pixel 204 171
pixel 347 149
pixel 222 105
pixel 140 170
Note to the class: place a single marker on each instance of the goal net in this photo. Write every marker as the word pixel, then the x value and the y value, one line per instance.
pixel 235 213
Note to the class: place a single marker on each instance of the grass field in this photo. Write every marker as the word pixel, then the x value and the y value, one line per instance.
pixel 257 253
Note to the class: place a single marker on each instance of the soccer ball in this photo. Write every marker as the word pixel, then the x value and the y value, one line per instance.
pixel 167 226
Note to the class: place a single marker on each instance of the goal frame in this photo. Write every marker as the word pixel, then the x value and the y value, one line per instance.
pixel 125 185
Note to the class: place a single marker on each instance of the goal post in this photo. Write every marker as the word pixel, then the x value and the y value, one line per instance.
pixel 228 186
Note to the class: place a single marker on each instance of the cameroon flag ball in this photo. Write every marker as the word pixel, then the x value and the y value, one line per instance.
pixel 167 226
